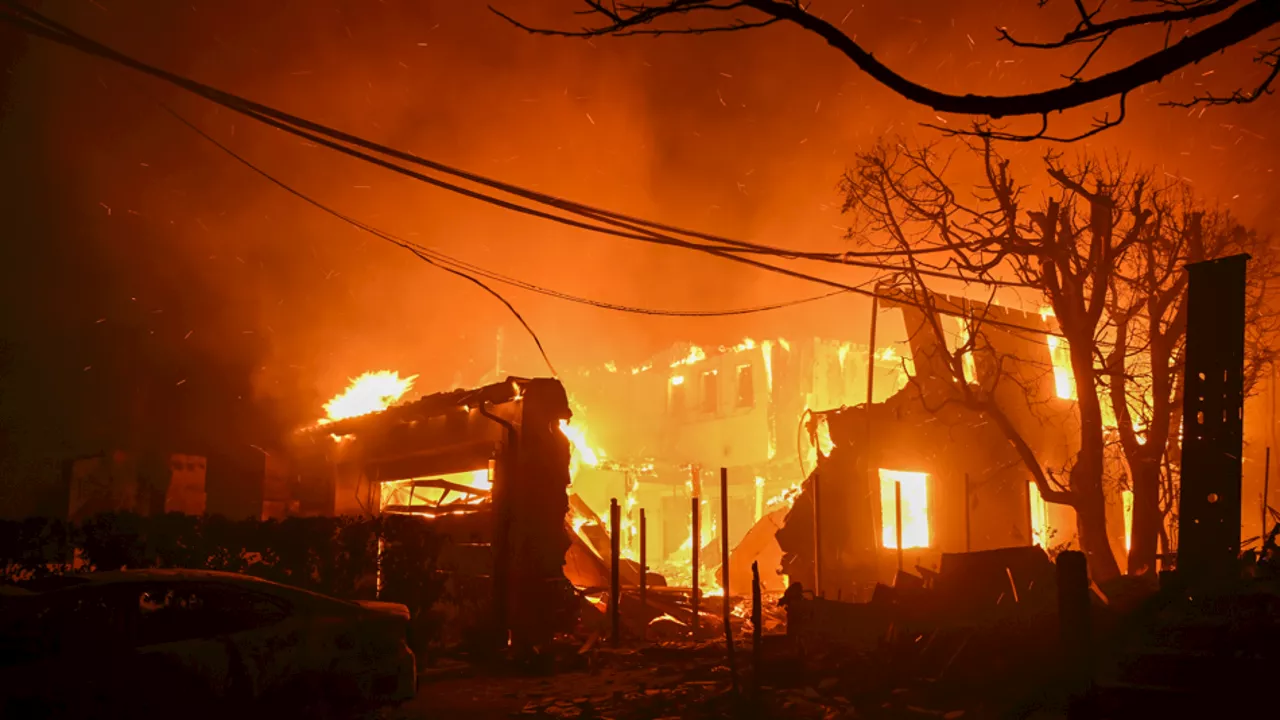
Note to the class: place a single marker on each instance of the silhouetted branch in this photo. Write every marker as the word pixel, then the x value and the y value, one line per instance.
pixel 1246 19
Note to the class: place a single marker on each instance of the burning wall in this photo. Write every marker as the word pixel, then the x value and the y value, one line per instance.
pixel 923 443
pixel 489 466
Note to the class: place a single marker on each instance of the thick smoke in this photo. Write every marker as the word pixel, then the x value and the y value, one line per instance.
pixel 158 294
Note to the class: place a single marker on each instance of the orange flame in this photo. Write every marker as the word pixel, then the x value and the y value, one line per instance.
pixel 370 393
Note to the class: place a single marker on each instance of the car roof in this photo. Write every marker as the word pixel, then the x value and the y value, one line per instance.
pixel 154 575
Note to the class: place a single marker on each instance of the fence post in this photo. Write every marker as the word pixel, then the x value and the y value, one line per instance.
pixel 615 584
pixel 724 565
pixel 696 538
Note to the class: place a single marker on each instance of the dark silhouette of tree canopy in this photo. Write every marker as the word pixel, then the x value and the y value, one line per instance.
pixel 1225 24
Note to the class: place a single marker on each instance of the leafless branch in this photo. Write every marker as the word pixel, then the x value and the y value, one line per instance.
pixel 1233 22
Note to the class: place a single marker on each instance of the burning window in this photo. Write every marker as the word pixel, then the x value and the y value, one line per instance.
pixel 1126 496
pixel 710 391
pixel 915 508
pixel 426 496
pixel 746 387
pixel 676 397
pixel 1063 379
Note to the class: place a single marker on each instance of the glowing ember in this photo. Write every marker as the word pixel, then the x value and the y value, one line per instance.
pixel 915 508
pixel 372 392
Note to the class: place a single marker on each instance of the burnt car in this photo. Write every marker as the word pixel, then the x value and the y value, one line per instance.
pixel 203 639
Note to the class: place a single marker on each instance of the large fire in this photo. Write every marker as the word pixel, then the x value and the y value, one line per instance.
pixel 370 393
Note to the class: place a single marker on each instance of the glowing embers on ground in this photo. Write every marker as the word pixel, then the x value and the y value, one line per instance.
pixel 436 495
pixel 915 508
pixel 372 392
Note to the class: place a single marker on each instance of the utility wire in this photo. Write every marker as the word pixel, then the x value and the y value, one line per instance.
pixel 41 26
pixel 38 24
pixel 395 241
pixel 441 259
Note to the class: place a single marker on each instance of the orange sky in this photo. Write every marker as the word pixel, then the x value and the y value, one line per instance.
pixel 743 134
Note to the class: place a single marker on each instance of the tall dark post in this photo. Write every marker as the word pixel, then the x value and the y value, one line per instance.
pixel 897 515
pixel 1075 624
pixel 968 532
pixel 817 533
pixel 757 619
pixel 615 563
pixel 696 536
pixel 724 565
pixel 1266 492
pixel 644 567
pixel 1213 421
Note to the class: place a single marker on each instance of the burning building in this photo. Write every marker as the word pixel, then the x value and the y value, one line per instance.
pixel 917 474
pixel 488 467
pixel 662 429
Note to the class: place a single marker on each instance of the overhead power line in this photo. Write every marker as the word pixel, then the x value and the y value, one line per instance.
pixel 38 24
pixel 440 259
pixel 622 225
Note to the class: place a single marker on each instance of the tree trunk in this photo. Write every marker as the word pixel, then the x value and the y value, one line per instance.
pixel 1086 476
pixel 1091 518
pixel 1144 532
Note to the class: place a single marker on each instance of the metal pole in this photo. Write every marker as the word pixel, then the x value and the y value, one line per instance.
pixel 897 515
pixel 615 584
pixel 724 565
pixel 817 535
pixel 695 505
pixel 871 350
pixel 1266 491
pixel 968 533
pixel 644 565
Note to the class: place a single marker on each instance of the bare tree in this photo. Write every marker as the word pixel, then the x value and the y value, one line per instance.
pixel 1224 24
pixel 1067 250
pixel 1142 370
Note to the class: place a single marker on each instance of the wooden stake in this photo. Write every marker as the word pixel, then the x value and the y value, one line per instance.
pixel 615 584
pixel 695 505
pixel 644 568
pixel 817 535
pixel 724 581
